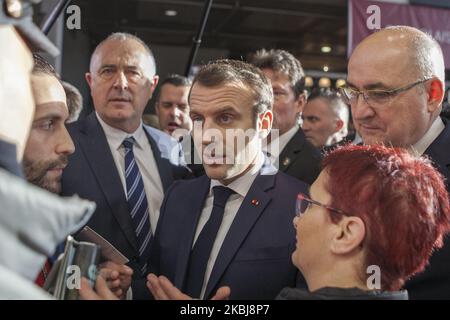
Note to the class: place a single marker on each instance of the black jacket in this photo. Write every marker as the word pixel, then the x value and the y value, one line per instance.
pixel 300 159
pixel 434 282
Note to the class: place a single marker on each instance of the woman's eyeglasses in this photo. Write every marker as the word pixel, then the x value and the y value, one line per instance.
pixel 303 203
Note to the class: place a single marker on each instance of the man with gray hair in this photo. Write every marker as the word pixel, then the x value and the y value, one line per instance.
pixel 117 161
pixel 396 95
pixel 325 119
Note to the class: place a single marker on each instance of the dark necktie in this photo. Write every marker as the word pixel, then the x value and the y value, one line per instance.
pixel 137 203
pixel 202 248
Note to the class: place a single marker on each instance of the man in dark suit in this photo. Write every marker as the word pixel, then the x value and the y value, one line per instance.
pixel 172 109
pixel 287 145
pixel 236 229
pixel 122 165
pixel 325 119
pixel 400 106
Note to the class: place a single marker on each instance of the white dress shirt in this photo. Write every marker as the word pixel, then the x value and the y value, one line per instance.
pixel 435 130
pixel 145 160
pixel 240 186
pixel 278 143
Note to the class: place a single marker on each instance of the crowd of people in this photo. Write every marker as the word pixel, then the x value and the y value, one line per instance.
pixel 246 186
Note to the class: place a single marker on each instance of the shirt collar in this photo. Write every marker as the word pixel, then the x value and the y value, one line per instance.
pixel 242 184
pixel 435 130
pixel 116 136
pixel 282 141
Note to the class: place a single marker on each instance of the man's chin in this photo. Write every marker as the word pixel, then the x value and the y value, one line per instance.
pixel 119 113
pixel 312 141
pixel 371 140
pixel 52 185
pixel 216 171
pixel 225 172
pixel 53 188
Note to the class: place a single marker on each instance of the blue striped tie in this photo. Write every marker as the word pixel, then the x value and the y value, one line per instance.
pixel 137 203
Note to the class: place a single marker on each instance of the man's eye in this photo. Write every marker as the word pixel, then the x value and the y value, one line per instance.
pixel 379 94
pixel 195 118
pixel 226 118
pixel 134 73
pixel 106 71
pixel 48 125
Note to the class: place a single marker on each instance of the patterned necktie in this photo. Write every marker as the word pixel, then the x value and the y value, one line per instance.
pixel 137 203
pixel 202 248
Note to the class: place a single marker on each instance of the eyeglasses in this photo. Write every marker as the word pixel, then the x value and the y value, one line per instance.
pixel 303 203
pixel 375 98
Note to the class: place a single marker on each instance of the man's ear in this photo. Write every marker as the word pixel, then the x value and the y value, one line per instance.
pixel 300 102
pixel 153 84
pixel 339 125
pixel 349 234
pixel 88 77
pixel 265 120
pixel 435 94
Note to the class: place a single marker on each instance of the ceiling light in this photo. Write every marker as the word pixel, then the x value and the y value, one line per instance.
pixel 324 82
pixel 309 82
pixel 325 49
pixel 171 13
pixel 325 68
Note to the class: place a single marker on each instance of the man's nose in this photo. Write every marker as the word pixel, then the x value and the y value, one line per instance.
pixel 207 136
pixel 176 111
pixel 306 126
pixel 65 144
pixel 211 133
pixel 361 109
pixel 121 81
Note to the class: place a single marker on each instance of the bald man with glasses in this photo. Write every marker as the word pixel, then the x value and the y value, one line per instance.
pixel 396 97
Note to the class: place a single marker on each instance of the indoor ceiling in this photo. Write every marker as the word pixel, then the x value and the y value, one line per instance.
pixel 302 27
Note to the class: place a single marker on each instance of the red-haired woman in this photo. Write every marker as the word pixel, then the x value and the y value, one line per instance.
pixel 372 220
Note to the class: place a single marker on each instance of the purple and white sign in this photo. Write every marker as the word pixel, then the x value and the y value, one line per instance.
pixel 366 17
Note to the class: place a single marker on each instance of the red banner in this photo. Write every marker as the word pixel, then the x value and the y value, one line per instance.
pixel 365 17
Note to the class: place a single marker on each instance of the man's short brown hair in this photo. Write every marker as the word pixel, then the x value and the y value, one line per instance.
pixel 74 101
pixel 43 67
pixel 283 62
pixel 226 71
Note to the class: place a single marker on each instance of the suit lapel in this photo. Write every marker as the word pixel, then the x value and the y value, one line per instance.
pixel 164 166
pixel 251 208
pixel 191 222
pixel 289 153
pixel 98 154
